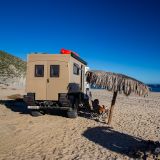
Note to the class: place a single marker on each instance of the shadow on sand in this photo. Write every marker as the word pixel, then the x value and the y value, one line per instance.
pixel 21 107
pixel 15 106
pixel 124 144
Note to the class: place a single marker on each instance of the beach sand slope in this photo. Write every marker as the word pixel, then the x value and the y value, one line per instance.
pixel 50 137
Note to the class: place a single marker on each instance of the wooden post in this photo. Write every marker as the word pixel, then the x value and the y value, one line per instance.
pixel 112 107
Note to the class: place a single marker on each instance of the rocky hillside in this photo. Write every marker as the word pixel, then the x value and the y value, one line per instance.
pixel 12 70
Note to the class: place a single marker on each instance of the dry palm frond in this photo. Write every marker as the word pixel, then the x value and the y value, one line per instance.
pixel 116 83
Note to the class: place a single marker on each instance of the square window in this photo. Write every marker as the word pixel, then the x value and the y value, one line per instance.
pixel 39 70
pixel 75 69
pixel 54 70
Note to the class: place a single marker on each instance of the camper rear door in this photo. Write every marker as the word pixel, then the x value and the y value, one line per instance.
pixel 57 79
pixel 36 81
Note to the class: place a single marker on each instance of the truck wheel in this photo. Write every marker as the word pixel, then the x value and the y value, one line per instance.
pixel 72 113
pixel 36 113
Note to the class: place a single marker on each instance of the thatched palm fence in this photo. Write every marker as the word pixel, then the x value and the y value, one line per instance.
pixel 117 83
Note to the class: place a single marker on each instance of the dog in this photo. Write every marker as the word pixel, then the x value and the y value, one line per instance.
pixel 102 109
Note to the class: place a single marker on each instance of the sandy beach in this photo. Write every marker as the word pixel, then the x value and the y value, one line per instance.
pixel 50 137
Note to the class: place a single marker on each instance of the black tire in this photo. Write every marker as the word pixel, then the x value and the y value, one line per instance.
pixel 72 113
pixel 36 113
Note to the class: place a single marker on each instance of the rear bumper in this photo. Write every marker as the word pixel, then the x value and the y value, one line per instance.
pixel 47 108
pixel 33 107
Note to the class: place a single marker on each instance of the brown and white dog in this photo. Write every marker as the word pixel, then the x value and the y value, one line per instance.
pixel 102 109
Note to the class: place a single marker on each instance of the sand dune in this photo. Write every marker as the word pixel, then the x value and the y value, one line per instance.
pixel 135 120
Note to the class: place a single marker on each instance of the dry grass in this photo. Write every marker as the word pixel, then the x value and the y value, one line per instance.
pixel 15 97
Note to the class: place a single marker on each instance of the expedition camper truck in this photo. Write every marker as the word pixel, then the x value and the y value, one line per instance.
pixel 55 81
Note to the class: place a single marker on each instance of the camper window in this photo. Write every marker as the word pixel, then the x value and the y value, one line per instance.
pixel 39 70
pixel 75 69
pixel 54 70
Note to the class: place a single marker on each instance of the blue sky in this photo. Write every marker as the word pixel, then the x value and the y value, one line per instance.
pixel 114 35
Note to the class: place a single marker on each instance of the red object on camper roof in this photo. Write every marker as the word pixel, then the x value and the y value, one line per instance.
pixel 66 51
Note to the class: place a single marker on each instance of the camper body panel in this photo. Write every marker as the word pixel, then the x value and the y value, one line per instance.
pixel 47 87
pixel 77 78
pixel 48 57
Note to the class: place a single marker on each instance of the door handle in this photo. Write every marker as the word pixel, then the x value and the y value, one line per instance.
pixel 47 80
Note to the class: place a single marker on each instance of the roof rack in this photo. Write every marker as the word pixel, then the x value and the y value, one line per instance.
pixel 79 59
